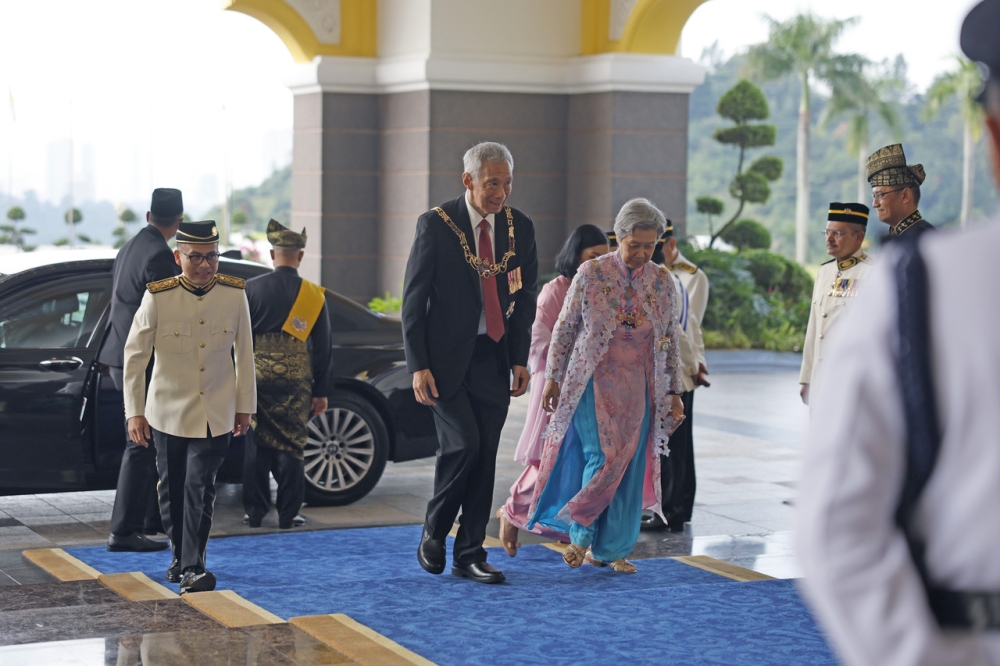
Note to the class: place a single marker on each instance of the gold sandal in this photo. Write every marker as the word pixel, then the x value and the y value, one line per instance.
pixel 573 555
pixel 509 546
pixel 623 566
pixel 590 559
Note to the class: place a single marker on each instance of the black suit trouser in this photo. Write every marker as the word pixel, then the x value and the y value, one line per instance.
pixel 260 461
pixel 677 480
pixel 136 505
pixel 187 468
pixel 468 428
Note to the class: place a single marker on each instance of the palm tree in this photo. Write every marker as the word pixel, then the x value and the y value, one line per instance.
pixel 962 84
pixel 803 47
pixel 870 92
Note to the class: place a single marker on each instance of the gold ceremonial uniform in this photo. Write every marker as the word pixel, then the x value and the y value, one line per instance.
pixel 194 380
pixel 837 283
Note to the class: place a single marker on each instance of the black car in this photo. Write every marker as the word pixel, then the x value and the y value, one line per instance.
pixel 62 420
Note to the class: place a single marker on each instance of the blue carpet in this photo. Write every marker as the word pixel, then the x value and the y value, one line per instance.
pixel 546 613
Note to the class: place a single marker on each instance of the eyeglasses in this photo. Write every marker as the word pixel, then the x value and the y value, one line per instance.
pixel 878 196
pixel 197 259
pixel 836 233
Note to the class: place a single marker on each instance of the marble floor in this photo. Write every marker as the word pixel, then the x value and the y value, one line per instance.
pixel 749 428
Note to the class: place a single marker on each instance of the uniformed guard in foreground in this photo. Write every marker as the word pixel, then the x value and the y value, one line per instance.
pixel 897 529
pixel 291 333
pixel 143 259
pixel 896 191
pixel 200 394
pixel 837 282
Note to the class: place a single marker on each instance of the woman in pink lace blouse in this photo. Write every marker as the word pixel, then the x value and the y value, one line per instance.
pixel 585 243
pixel 613 386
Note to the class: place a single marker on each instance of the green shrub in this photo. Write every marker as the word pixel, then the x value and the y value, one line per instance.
pixel 748 234
pixel 759 299
pixel 386 305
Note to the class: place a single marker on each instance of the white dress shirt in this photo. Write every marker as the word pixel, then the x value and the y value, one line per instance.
pixel 860 579
pixel 476 218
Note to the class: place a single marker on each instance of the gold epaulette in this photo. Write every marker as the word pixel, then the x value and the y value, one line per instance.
pixel 684 266
pixel 163 285
pixel 231 281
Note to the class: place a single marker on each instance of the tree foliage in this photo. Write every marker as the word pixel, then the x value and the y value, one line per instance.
pixel 742 104
pixel 748 235
pixel 73 216
pixel 14 233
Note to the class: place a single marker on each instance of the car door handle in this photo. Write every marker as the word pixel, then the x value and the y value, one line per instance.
pixel 63 364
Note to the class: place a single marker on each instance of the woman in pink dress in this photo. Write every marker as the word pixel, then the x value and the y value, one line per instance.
pixel 613 384
pixel 585 243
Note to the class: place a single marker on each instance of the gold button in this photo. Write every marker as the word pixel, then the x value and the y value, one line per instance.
pixel 177 332
pixel 202 368
pixel 202 391
pixel 824 314
pixel 820 337
pixel 225 330
pixel 202 344
pixel 201 321
pixel 201 298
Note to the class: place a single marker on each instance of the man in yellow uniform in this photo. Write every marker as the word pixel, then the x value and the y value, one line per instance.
pixel 291 332
pixel 837 282
pixel 200 394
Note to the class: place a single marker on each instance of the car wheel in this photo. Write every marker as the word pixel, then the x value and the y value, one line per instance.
pixel 346 451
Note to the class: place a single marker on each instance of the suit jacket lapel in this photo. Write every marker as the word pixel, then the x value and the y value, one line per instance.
pixel 462 221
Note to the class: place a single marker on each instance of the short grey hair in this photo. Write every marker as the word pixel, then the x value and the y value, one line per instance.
pixel 639 213
pixel 487 151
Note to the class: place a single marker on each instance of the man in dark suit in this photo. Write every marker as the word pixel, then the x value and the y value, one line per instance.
pixel 468 306
pixel 291 335
pixel 143 259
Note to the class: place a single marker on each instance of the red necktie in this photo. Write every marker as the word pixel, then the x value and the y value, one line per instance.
pixel 491 300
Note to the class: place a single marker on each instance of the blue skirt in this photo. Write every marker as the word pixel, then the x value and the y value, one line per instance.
pixel 614 533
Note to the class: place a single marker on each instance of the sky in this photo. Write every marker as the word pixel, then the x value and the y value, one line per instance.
pixel 179 93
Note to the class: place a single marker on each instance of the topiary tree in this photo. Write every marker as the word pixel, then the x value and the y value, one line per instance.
pixel 126 217
pixel 13 233
pixel 743 104
pixel 747 234
pixel 709 206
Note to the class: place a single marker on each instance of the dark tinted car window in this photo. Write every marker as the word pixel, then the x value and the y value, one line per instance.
pixel 61 316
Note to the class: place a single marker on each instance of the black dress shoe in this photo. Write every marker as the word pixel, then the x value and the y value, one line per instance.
pixel 197 581
pixel 174 571
pixel 479 572
pixel 251 522
pixel 136 543
pixel 651 521
pixel 430 553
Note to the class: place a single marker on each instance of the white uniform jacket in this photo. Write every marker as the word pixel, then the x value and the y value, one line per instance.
pixel 859 576
pixel 837 284
pixel 194 380
pixel 695 283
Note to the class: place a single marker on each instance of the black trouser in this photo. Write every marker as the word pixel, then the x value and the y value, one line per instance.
pixel 289 472
pixel 187 469
pixel 677 481
pixel 468 428
pixel 136 506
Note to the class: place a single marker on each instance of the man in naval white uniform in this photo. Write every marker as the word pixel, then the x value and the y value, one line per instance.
pixel 837 283
pixel 861 577
pixel 203 390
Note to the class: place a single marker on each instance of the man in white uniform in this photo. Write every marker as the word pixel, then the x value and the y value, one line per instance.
pixel 677 478
pixel 837 283
pixel 202 391
pixel 862 577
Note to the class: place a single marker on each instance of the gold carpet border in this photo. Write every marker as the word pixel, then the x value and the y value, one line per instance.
pixel 230 609
pixel 61 564
pixel 712 565
pixel 356 641
pixel 136 586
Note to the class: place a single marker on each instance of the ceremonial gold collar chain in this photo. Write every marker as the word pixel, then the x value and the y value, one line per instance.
pixel 484 268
